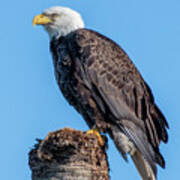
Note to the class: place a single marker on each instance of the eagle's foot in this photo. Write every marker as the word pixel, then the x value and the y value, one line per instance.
pixel 100 138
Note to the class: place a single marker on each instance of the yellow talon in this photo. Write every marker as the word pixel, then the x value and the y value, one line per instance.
pixel 97 134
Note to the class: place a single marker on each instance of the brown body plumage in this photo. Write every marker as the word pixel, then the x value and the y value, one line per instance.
pixel 97 77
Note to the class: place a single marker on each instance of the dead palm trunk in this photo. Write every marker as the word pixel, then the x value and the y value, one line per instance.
pixel 69 155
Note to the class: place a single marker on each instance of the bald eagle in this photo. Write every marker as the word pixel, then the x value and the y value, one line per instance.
pixel 97 77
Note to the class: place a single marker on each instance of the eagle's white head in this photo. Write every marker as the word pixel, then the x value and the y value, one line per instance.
pixel 59 21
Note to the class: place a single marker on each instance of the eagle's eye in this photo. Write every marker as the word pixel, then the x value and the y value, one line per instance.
pixel 54 16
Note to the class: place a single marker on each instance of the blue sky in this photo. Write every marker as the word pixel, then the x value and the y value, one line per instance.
pixel 31 104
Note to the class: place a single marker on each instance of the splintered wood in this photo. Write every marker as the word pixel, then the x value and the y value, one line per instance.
pixel 69 154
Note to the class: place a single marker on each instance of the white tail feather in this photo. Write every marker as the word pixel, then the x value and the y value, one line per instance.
pixel 142 166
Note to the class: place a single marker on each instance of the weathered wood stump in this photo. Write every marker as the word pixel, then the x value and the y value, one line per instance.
pixel 69 154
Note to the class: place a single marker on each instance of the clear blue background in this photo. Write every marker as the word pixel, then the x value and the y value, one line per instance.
pixel 30 102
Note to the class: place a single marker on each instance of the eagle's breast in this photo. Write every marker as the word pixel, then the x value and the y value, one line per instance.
pixel 63 69
pixel 69 78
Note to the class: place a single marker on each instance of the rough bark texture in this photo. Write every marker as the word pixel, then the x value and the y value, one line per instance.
pixel 69 154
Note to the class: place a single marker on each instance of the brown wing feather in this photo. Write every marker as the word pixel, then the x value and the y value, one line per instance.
pixel 108 68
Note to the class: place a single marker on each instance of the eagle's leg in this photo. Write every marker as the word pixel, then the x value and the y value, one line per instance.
pixel 96 132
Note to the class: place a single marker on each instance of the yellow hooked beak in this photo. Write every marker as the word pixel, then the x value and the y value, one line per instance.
pixel 41 19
